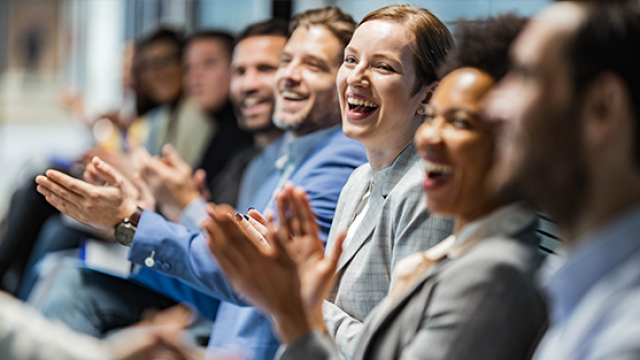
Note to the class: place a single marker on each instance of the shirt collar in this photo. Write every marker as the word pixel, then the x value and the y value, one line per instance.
pixel 566 281
pixel 507 220
pixel 297 149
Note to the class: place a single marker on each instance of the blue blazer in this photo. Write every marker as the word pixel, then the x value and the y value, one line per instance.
pixel 184 255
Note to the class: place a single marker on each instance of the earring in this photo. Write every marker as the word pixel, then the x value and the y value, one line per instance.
pixel 421 111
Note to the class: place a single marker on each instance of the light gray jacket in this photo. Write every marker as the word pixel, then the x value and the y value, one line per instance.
pixel 481 305
pixel 397 224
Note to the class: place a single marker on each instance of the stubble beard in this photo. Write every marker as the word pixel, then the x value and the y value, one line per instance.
pixel 551 171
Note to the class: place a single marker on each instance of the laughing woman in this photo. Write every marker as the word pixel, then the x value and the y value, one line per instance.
pixel 389 72
pixel 469 297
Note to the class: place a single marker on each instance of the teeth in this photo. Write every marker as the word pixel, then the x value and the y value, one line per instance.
pixel 437 168
pixel 291 95
pixel 251 102
pixel 360 102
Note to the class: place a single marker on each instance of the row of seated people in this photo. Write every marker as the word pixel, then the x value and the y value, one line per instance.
pixel 449 276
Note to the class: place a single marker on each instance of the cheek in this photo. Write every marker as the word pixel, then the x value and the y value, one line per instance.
pixel 476 157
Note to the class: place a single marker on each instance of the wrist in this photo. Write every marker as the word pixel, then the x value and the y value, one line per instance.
pixel 291 327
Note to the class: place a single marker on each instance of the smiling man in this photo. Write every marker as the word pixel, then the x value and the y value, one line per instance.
pixel 318 157
pixel 568 115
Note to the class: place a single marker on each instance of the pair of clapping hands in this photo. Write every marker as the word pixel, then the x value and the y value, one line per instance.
pixel 281 270
pixel 107 197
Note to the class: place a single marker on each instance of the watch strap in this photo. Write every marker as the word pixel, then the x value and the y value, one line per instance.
pixel 135 217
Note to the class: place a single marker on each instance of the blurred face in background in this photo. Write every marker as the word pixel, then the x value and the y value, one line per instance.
pixel 161 72
pixel 456 146
pixel 207 73
pixel 306 96
pixel 253 68
pixel 533 109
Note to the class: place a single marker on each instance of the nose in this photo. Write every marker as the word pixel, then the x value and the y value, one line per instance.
pixel 359 76
pixel 429 135
pixel 248 82
pixel 291 73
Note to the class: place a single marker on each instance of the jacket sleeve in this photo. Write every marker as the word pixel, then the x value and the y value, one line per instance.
pixel 483 310
pixel 410 222
pixel 26 335
pixel 311 346
pixel 180 253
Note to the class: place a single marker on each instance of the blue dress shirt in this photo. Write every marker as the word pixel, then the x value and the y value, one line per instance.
pixel 594 295
pixel 177 252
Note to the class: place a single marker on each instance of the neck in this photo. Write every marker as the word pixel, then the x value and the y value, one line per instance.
pixel 264 138
pixel 608 197
pixel 480 211
pixel 381 157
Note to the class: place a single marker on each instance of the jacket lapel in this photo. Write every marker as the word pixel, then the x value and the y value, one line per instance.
pixel 395 310
pixel 406 159
pixel 346 216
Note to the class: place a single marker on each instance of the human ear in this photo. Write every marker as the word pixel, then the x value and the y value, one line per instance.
pixel 428 93
pixel 607 110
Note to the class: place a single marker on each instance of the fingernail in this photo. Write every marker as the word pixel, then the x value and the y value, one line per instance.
pixel 238 217
pixel 246 217
pixel 250 208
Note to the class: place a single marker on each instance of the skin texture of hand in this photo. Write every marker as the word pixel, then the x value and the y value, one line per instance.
pixel 268 275
pixel 102 207
pixel 136 188
pixel 169 178
pixel 299 233
pixel 158 336
pixel 119 161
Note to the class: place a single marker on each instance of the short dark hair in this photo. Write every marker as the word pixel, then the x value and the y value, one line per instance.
pixel 272 27
pixel 333 18
pixel 484 44
pixel 175 37
pixel 609 40
pixel 223 36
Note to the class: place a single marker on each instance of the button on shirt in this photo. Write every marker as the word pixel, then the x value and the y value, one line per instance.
pixel 594 296
pixel 297 150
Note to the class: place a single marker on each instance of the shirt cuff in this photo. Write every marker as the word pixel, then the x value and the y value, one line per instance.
pixel 194 214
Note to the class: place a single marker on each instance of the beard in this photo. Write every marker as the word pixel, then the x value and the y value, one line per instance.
pixel 548 167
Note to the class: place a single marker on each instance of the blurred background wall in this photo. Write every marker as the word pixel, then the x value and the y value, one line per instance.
pixel 51 50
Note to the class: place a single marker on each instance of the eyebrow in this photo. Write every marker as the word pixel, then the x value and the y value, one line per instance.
pixel 455 110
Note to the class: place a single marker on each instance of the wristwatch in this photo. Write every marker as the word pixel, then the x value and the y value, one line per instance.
pixel 127 228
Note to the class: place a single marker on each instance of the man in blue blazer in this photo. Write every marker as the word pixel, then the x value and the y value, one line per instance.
pixel 319 158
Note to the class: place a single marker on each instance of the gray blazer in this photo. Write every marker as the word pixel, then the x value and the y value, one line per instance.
pixel 481 305
pixel 397 224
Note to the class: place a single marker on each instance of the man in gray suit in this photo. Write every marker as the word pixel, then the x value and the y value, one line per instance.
pixel 569 111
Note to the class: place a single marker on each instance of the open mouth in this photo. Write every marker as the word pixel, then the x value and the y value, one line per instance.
pixel 251 102
pixel 293 96
pixel 361 107
pixel 437 173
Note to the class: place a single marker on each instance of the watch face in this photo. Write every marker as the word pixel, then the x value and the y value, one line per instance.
pixel 124 233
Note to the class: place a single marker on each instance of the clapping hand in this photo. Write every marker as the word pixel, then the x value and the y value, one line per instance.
pixel 100 206
pixel 170 179
pixel 290 276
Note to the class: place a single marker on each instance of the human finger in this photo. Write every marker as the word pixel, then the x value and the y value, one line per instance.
pixel 111 176
pixel 283 208
pixel 257 216
pixel 47 185
pixel 72 184
pixel 91 176
pixel 228 258
pixel 252 232
pixel 172 157
pixel 334 257
pixel 294 220
pixel 309 226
